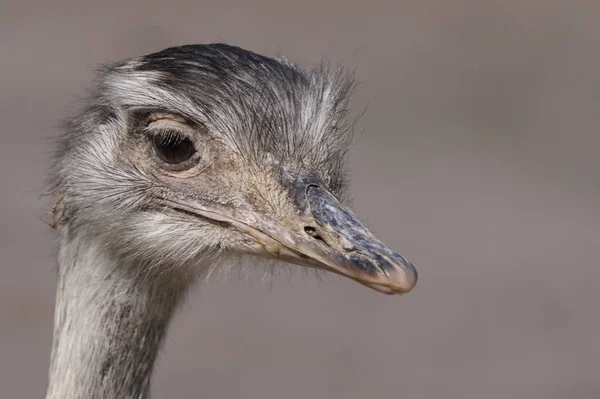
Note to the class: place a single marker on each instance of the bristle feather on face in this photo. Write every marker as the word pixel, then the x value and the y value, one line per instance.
pixel 265 111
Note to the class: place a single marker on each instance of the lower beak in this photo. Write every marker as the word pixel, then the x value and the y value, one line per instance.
pixel 334 240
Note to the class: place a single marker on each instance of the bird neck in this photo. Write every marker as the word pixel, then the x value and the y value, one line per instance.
pixel 110 319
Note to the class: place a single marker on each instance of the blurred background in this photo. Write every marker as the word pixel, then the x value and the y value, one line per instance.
pixel 479 163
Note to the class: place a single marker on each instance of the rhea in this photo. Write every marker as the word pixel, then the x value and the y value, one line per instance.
pixel 183 161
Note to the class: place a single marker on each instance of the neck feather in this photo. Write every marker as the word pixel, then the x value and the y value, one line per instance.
pixel 110 320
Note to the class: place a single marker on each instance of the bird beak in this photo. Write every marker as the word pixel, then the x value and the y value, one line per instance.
pixel 334 240
pixel 327 236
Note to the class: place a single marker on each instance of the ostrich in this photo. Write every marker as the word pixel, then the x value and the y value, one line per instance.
pixel 184 161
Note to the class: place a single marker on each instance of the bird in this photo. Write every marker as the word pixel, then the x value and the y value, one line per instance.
pixel 181 162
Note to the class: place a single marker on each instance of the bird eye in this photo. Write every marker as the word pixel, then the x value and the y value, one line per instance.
pixel 173 147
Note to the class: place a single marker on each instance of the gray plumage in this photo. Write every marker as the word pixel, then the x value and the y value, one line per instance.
pixel 181 162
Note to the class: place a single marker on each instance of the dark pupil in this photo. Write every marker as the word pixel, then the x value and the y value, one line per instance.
pixel 173 148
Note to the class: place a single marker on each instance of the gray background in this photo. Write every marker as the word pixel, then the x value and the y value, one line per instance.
pixel 479 163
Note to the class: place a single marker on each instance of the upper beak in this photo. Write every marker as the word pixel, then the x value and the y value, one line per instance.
pixel 326 236
pixel 334 240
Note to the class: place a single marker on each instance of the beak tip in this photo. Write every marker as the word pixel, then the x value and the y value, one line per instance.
pixel 396 280
pixel 405 278
pixel 402 277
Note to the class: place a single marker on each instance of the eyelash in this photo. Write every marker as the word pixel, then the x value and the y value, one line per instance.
pixel 167 137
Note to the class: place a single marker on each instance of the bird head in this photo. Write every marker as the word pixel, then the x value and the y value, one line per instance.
pixel 203 150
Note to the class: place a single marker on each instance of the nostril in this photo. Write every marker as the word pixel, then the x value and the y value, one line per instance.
pixel 311 231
